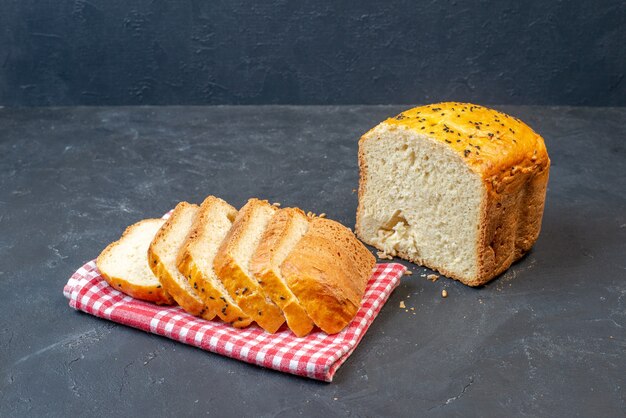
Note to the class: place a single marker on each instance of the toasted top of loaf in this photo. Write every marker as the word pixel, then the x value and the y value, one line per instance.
pixel 283 232
pixel 212 223
pixel 162 256
pixel 488 140
pixel 124 264
pixel 328 271
pixel 233 259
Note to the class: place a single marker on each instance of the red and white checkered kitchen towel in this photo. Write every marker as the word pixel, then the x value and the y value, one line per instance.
pixel 317 355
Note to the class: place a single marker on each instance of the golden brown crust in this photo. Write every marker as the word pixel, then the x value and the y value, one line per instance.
pixel 490 141
pixel 267 272
pixel 212 296
pixel 155 293
pixel 513 163
pixel 510 221
pixel 328 271
pixel 189 301
pixel 242 288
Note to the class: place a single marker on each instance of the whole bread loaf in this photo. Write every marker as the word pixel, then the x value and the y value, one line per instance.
pixel 456 187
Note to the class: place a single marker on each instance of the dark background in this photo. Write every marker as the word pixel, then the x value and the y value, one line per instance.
pixel 120 52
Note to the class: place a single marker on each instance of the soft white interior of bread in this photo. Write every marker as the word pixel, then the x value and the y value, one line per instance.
pixel 127 260
pixel 294 235
pixel 420 199
pixel 206 247
pixel 251 236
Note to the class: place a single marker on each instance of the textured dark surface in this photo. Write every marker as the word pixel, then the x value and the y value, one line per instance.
pixel 113 52
pixel 545 339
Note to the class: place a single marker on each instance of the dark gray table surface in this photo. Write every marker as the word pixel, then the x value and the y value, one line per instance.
pixel 545 339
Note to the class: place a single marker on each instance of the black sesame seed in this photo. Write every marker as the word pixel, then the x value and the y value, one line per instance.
pixel 467 152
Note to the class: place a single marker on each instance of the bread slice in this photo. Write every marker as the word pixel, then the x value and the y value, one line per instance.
pixel 124 264
pixel 233 259
pixel 195 260
pixel 162 257
pixel 283 232
pixel 453 186
pixel 328 271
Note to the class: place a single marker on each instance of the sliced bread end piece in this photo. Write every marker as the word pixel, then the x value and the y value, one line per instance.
pixel 162 257
pixel 232 264
pixel 124 264
pixel 196 256
pixel 283 232
pixel 328 271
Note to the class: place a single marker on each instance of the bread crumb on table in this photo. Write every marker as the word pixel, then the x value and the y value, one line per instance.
pixel 407 272
pixel 444 293
pixel 383 255
pixel 432 277
pixel 402 305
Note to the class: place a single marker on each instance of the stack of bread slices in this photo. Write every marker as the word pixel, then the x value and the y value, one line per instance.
pixel 260 264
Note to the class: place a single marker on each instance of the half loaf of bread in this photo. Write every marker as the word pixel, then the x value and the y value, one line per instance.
pixel 124 264
pixel 453 186
pixel 162 257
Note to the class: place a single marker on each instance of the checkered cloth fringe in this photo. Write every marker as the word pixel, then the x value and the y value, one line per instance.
pixel 317 355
